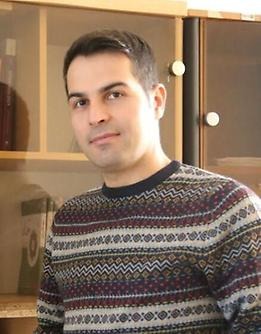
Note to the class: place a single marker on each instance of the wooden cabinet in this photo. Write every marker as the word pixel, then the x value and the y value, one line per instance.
pixel 44 159
pixel 231 55
pixel 223 57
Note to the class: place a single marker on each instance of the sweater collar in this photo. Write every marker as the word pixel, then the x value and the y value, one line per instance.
pixel 144 185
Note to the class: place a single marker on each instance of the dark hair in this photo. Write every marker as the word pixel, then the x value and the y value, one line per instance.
pixel 134 47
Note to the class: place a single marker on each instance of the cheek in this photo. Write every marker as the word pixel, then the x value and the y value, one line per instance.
pixel 132 123
pixel 138 120
pixel 138 129
pixel 145 120
pixel 78 122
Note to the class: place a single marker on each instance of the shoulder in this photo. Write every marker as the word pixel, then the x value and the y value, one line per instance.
pixel 216 193
pixel 196 174
pixel 210 182
pixel 80 203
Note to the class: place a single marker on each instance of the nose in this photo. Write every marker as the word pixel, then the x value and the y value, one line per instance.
pixel 98 114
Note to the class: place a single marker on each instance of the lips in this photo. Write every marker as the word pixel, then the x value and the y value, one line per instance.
pixel 103 138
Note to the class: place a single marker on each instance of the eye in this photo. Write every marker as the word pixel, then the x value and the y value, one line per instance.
pixel 78 103
pixel 114 95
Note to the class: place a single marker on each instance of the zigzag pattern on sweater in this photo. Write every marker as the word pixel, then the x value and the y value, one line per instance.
pixel 180 257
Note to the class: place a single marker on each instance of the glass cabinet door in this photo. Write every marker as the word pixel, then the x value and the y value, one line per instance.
pixel 230 138
pixel 43 167
pixel 19 78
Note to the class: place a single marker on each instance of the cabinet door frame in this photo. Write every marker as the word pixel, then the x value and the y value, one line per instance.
pixel 162 7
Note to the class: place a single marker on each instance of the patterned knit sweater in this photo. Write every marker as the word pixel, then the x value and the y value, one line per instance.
pixel 175 253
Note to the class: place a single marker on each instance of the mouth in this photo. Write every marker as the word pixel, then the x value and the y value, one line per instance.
pixel 103 138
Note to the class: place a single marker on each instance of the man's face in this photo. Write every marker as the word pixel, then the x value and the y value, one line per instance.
pixel 113 119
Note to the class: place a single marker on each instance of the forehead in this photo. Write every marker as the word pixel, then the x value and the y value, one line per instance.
pixel 98 67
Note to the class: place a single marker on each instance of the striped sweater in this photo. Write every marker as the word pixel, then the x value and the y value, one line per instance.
pixel 175 253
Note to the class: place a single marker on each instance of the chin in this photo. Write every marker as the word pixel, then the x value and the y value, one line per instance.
pixel 111 165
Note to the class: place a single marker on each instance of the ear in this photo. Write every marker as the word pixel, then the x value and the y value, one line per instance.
pixel 159 100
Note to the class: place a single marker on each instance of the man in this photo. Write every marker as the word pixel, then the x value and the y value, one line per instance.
pixel 161 247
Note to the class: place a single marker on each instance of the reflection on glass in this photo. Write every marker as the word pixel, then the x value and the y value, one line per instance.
pixel 233 80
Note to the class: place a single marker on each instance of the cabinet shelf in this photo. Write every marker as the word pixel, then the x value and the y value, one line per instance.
pixel 236 170
pixel 44 161
pixel 247 174
pixel 20 155
pixel 17 306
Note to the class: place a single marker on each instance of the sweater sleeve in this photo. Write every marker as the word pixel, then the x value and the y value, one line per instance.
pixel 233 265
pixel 50 309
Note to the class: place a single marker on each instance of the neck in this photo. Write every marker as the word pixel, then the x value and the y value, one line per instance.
pixel 137 172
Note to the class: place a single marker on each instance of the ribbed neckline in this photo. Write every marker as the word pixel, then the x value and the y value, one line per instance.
pixel 144 185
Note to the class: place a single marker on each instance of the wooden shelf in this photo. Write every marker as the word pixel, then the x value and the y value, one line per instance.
pixel 17 306
pixel 19 155
pixel 45 161
pixel 249 175
pixel 246 170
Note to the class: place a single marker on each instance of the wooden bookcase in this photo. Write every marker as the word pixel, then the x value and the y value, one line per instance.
pixel 45 158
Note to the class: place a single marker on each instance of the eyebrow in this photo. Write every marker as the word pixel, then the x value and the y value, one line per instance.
pixel 101 90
